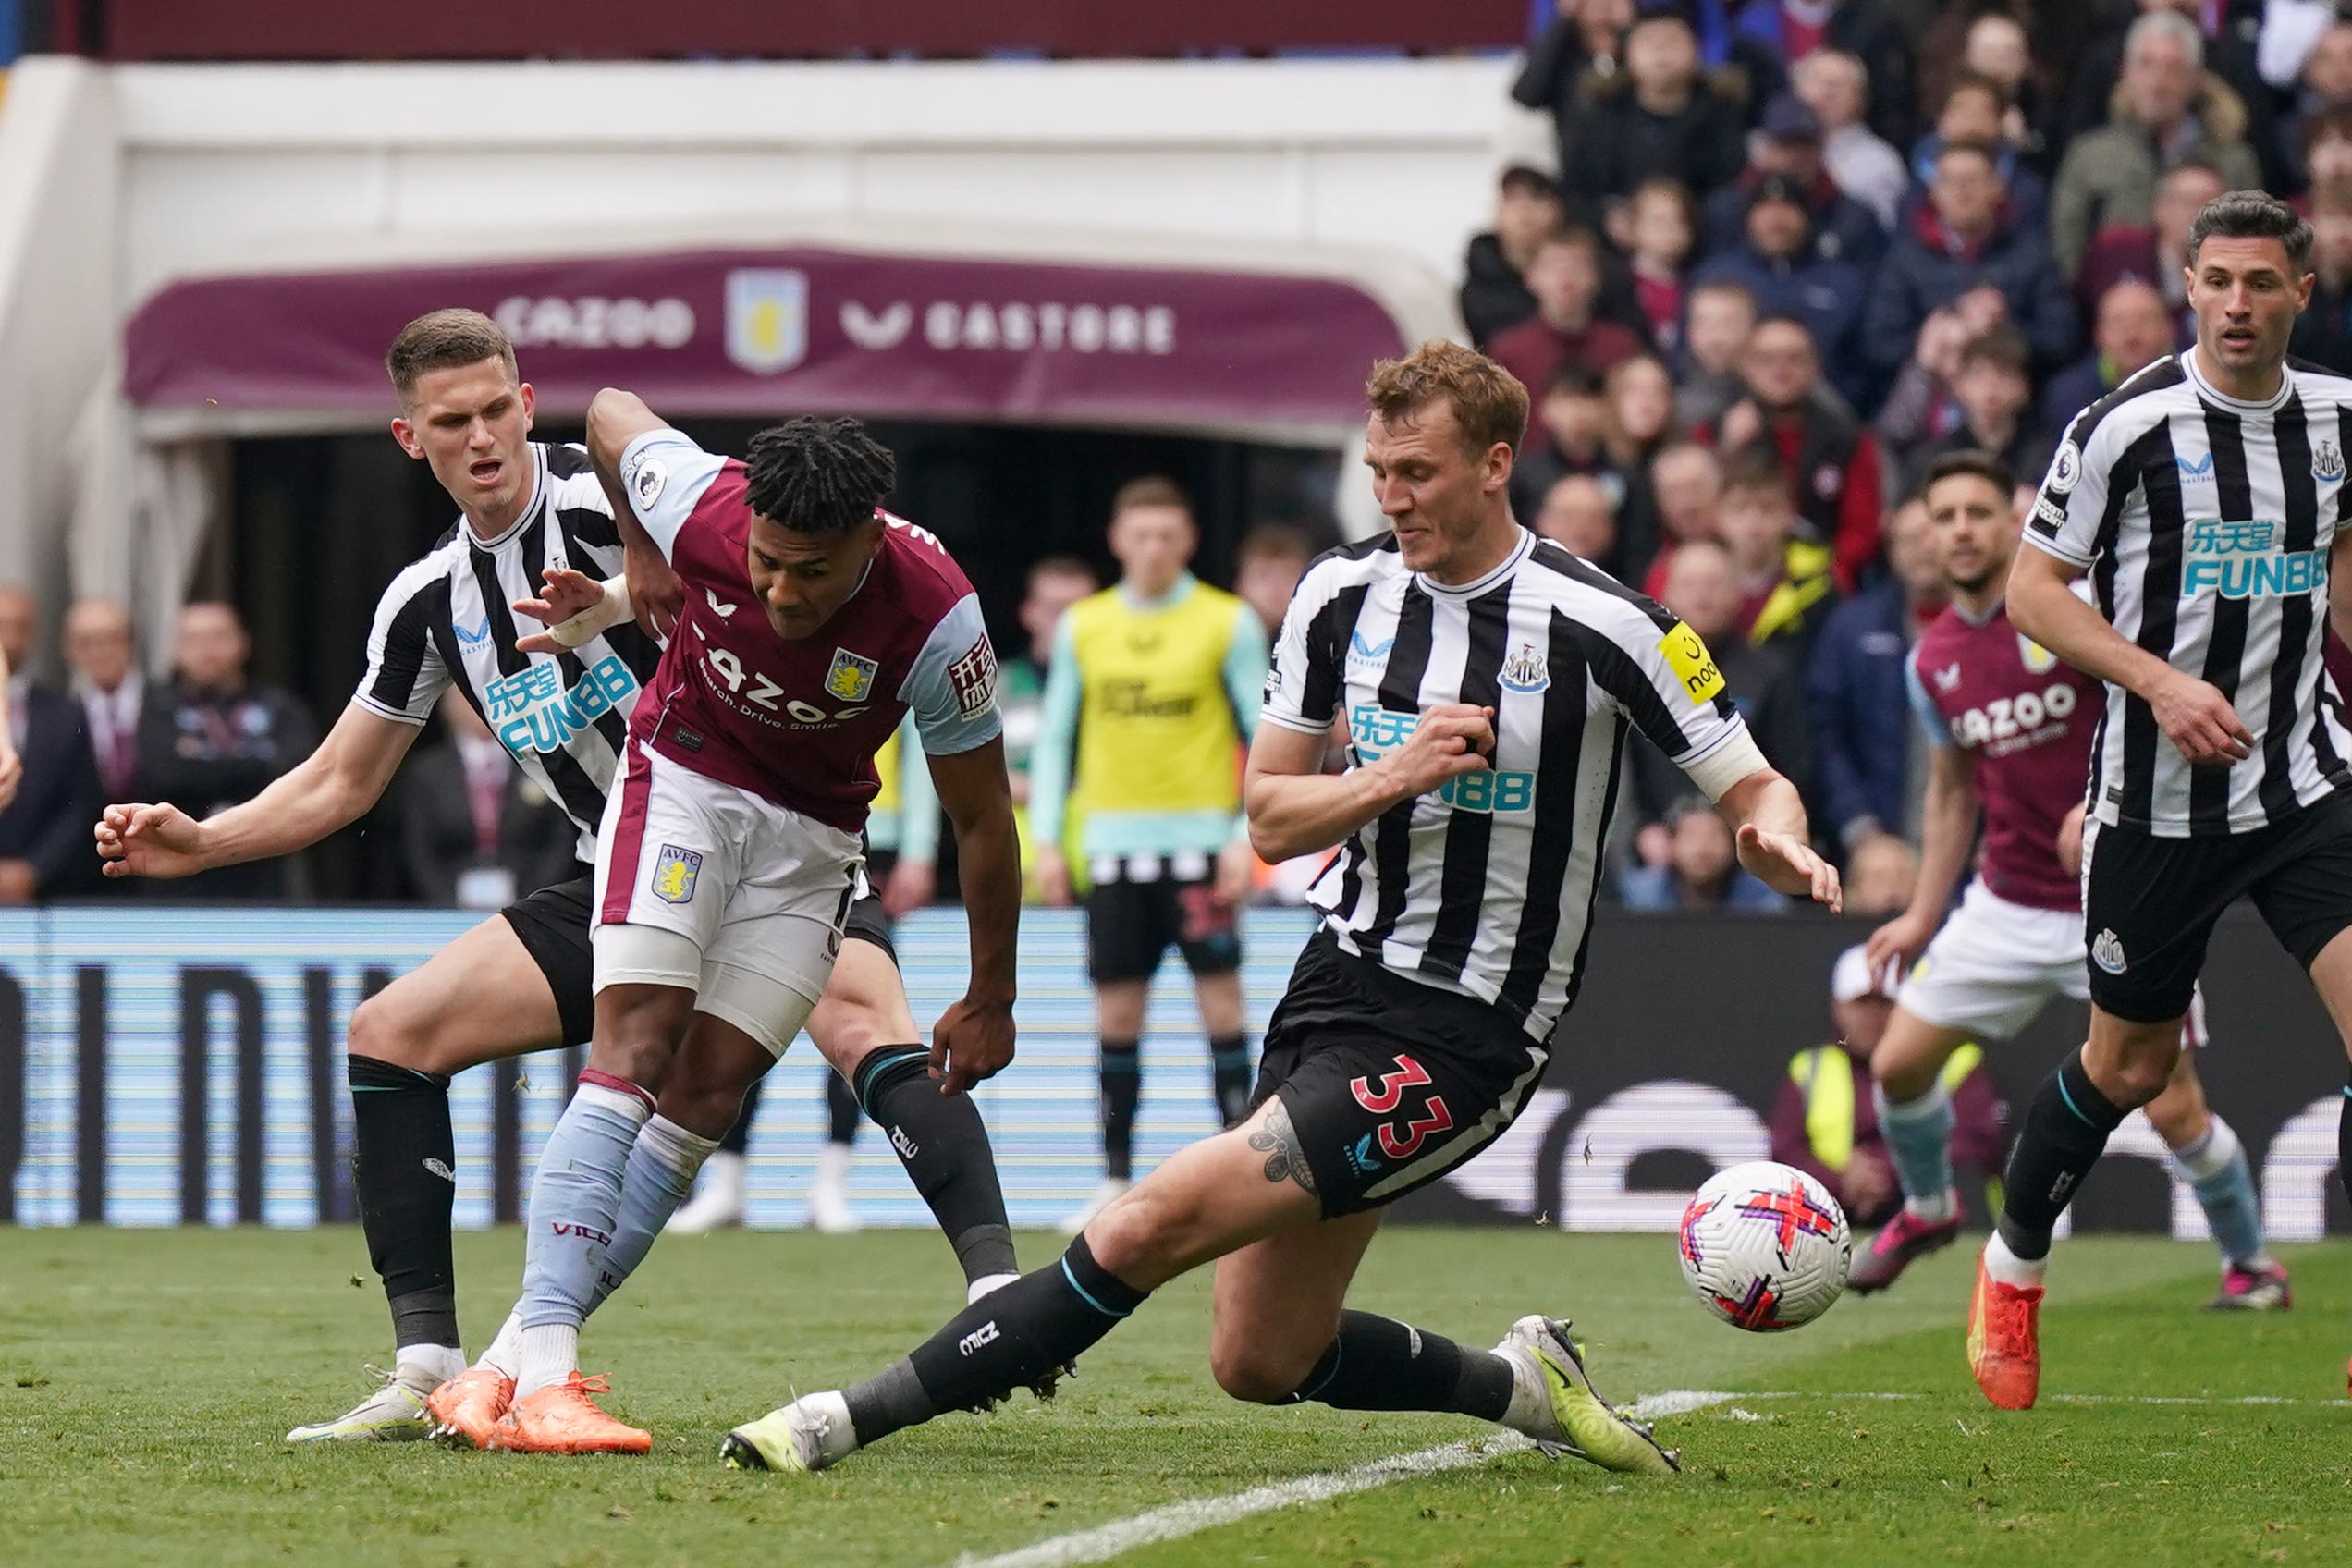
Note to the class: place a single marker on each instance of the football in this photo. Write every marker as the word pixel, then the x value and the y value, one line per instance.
pixel 1765 1247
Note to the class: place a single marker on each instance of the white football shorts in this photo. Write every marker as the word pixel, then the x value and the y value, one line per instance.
pixel 714 889
pixel 1995 964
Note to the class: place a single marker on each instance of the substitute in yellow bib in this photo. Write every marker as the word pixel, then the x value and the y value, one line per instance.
pixel 1149 702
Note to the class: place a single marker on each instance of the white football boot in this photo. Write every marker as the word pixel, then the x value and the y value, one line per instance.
pixel 393 1413
pixel 828 1201
pixel 1571 1418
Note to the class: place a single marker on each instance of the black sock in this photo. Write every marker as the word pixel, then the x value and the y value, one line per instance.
pixel 1230 1068
pixel 1380 1363
pixel 1123 1086
pixel 944 1146
pixel 2065 1133
pixel 739 1136
pixel 1000 1343
pixel 840 1109
pixel 404 1174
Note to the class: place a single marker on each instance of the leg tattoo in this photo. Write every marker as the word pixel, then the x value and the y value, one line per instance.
pixel 1285 1159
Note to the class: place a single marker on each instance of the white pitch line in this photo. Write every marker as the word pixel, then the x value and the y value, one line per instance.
pixel 1190 1517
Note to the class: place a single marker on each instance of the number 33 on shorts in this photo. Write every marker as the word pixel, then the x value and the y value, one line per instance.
pixel 1402 1137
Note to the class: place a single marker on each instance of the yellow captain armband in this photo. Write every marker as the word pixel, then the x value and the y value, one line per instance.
pixel 1686 654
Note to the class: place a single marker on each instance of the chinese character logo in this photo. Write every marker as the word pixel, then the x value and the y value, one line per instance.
pixel 974 678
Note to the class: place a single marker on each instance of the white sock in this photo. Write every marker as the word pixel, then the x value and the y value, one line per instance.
pixel 550 1353
pixel 2022 1273
pixel 833 1165
pixel 428 1366
pixel 506 1352
pixel 1937 1210
pixel 984 1284
pixel 1530 1406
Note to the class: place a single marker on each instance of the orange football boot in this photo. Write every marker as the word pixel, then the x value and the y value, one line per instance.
pixel 2005 1341
pixel 468 1404
pixel 562 1418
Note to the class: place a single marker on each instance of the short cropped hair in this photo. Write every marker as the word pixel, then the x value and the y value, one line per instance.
pixel 2252 214
pixel 1277 542
pixel 822 476
pixel 1521 179
pixel 1758 469
pixel 2003 345
pixel 445 340
pixel 1488 401
pixel 1150 490
pixel 1972 464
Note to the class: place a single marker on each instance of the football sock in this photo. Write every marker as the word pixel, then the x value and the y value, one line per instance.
pixel 739 1135
pixel 2007 1268
pixel 505 1354
pixel 2216 1170
pixel 660 1173
pixel 1229 1077
pixel 943 1145
pixel 1378 1364
pixel 575 1202
pixel 404 1172
pixel 2065 1130
pixel 1123 1086
pixel 841 1110
pixel 1918 1135
pixel 1008 1339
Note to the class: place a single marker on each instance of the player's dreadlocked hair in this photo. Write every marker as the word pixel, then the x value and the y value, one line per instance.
pixel 818 475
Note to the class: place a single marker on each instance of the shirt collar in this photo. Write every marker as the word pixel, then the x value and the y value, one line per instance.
pixel 522 519
pixel 1176 592
pixel 2207 390
pixel 1520 549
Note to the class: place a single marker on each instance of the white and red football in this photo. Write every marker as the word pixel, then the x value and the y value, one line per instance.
pixel 1765 1247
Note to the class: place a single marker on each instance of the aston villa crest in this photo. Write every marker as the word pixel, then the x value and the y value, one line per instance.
pixel 850 677
pixel 2039 659
pixel 767 318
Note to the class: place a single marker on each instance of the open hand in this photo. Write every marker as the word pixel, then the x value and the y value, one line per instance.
pixel 1899 941
pixel 1789 865
pixel 567 594
pixel 158 840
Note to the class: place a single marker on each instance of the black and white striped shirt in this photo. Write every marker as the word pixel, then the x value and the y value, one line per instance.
pixel 1486 887
pixel 448 618
pixel 2205 524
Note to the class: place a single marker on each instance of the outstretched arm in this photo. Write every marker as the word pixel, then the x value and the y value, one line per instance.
pixel 973 1038
pixel 615 418
pixel 326 791
pixel 1767 816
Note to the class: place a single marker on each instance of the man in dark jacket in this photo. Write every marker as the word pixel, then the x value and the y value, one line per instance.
pixel 44 830
pixel 1775 261
pixel 1789 30
pixel 2135 329
pixel 1963 240
pixel 1494 274
pixel 212 740
pixel 475 831
pixel 1788 146
pixel 1656 117
pixel 1566 328
pixel 1855 693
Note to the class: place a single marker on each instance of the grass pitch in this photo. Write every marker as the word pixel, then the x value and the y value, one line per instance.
pixel 147 1377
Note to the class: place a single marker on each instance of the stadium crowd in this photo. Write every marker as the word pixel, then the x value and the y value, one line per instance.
pixel 1788 252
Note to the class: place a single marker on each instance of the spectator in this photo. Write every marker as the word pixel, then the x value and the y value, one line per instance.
pixel 1962 240
pixel 1656 117
pixel 1582 47
pixel 2135 329
pixel 1569 436
pixel 1993 386
pixel 1859 710
pixel 2156 251
pixel 1792 30
pixel 476 831
pixel 1702 588
pixel 1721 316
pixel 212 740
pixel 112 689
pixel 2291 30
pixel 1640 424
pixel 1998 49
pixel 1921 406
pixel 1687 484
pixel 1055 584
pixel 1776 263
pixel 1829 459
pixel 2326 90
pixel 1273 557
pixel 1882 873
pixel 1865 165
pixel 1565 279
pixel 1494 274
pixel 1784 584
pixel 2223 72
pixel 1660 227
pixel 1577 516
pixel 2324 332
pixel 1700 870
pixel 1975 108
pixel 2167 108
pixel 1825 1121
pixel 44 825
pixel 2326 141
pixel 1788 146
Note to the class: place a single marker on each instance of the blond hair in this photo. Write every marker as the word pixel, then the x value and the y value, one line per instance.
pixel 1488 401
pixel 445 340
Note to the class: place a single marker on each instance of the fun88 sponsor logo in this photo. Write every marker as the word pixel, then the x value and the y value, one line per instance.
pixel 2241 560
pixel 1377 731
pixel 532 712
